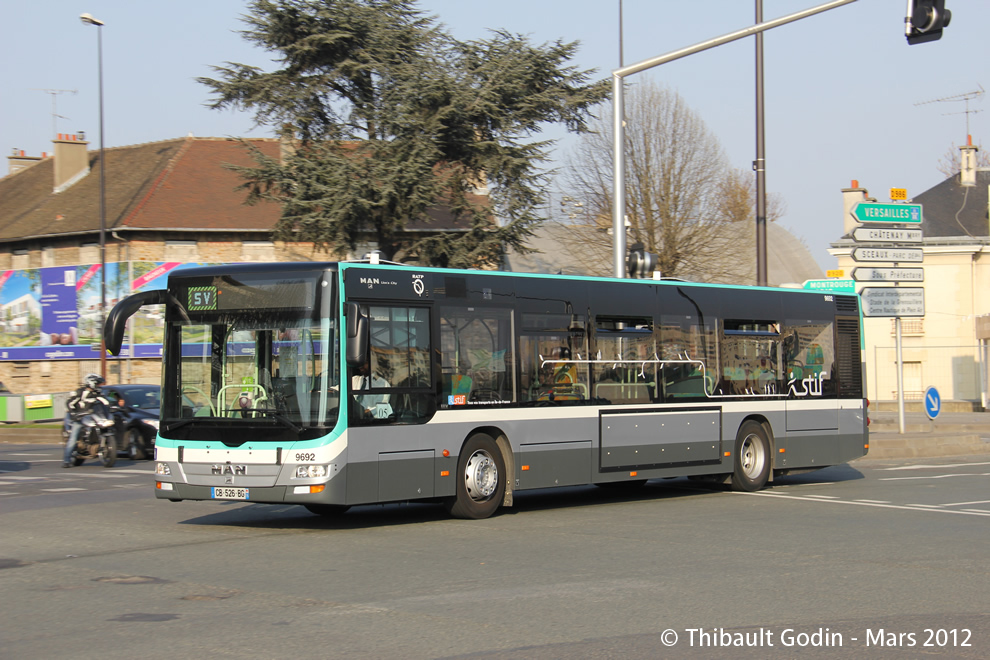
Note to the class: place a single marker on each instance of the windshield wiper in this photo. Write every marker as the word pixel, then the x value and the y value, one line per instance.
pixel 281 419
pixel 267 412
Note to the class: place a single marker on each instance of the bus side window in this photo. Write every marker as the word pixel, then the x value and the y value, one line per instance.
pixel 687 354
pixel 632 376
pixel 475 356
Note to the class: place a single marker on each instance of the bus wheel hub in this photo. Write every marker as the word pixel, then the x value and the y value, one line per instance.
pixel 481 476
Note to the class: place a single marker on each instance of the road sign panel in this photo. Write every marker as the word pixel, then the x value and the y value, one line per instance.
pixel 893 301
pixel 871 274
pixel 834 285
pixel 887 234
pixel 898 193
pixel 893 254
pixel 838 272
pixel 874 212
pixel 933 403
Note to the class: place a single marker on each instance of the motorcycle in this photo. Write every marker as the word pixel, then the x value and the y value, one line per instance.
pixel 98 436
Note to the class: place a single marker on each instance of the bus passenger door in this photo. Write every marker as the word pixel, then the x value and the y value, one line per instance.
pixel 811 407
pixel 390 397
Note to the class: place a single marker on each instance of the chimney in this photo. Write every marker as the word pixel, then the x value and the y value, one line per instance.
pixel 17 161
pixel 71 159
pixel 967 163
pixel 850 197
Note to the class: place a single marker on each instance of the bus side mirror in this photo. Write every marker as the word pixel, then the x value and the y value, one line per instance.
pixel 357 336
pixel 113 329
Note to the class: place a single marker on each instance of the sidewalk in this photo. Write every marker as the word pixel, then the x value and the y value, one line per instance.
pixel 950 434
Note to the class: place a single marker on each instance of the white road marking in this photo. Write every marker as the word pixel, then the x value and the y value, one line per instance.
pixel 967 503
pixel 927 506
pixel 978 510
pixel 35 454
pixel 99 475
pixel 938 476
pixel 934 467
pixel 60 490
pixel 874 501
pixel 825 497
pixel 879 506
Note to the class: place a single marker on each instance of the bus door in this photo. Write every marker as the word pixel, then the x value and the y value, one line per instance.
pixel 390 397
pixel 811 407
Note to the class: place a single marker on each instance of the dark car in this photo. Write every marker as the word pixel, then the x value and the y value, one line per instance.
pixel 135 410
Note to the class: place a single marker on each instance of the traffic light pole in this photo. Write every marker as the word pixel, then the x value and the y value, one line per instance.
pixel 618 114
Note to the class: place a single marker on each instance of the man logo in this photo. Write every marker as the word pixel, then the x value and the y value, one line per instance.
pixel 227 468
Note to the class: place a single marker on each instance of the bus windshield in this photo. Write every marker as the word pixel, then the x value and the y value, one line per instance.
pixel 245 362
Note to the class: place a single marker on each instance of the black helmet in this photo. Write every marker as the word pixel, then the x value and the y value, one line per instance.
pixel 93 380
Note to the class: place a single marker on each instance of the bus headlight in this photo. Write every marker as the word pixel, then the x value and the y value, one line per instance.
pixel 311 471
pixel 162 468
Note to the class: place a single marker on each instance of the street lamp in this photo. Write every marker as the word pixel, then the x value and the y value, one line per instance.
pixel 89 20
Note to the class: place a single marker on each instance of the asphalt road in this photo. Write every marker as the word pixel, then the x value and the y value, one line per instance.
pixel 876 558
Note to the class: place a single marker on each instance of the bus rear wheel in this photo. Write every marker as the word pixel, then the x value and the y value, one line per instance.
pixel 481 478
pixel 751 468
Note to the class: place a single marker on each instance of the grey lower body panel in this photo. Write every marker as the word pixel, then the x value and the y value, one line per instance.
pixel 387 464
pixel 649 439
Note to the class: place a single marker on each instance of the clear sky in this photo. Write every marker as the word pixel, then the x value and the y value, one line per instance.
pixel 843 88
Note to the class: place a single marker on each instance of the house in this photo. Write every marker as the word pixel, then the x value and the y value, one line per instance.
pixel 166 204
pixel 947 347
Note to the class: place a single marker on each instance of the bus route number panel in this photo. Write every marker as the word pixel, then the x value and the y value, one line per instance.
pixel 651 439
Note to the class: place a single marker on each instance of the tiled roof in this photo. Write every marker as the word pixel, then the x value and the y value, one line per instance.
pixel 172 184
pixel 179 184
pixel 196 191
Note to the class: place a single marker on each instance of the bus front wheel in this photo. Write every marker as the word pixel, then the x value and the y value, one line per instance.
pixel 751 468
pixel 480 479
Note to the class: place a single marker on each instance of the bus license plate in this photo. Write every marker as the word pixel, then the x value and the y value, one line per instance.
pixel 231 494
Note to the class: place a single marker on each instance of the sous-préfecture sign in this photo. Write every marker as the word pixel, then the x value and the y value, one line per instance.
pixel 877 274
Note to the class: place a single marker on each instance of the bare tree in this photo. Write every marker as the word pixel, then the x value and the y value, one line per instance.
pixel 950 164
pixel 683 200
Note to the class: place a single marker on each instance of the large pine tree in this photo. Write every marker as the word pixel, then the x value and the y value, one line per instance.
pixel 390 117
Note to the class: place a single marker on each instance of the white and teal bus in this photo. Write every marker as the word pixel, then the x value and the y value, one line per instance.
pixel 331 385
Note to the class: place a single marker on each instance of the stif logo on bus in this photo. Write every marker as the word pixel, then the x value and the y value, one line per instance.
pixel 457 400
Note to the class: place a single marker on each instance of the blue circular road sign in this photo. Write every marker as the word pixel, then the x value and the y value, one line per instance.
pixel 933 403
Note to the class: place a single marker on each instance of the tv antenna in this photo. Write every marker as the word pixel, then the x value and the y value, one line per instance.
pixel 966 98
pixel 55 115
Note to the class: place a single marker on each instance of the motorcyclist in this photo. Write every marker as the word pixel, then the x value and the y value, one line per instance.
pixel 79 404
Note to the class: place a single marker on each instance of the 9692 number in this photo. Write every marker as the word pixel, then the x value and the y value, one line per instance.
pixel 302 457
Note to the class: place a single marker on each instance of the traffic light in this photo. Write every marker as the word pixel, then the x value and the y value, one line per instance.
pixel 925 20
pixel 641 263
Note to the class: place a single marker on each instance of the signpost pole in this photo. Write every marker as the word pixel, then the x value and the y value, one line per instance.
pixel 900 377
pixel 900 370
